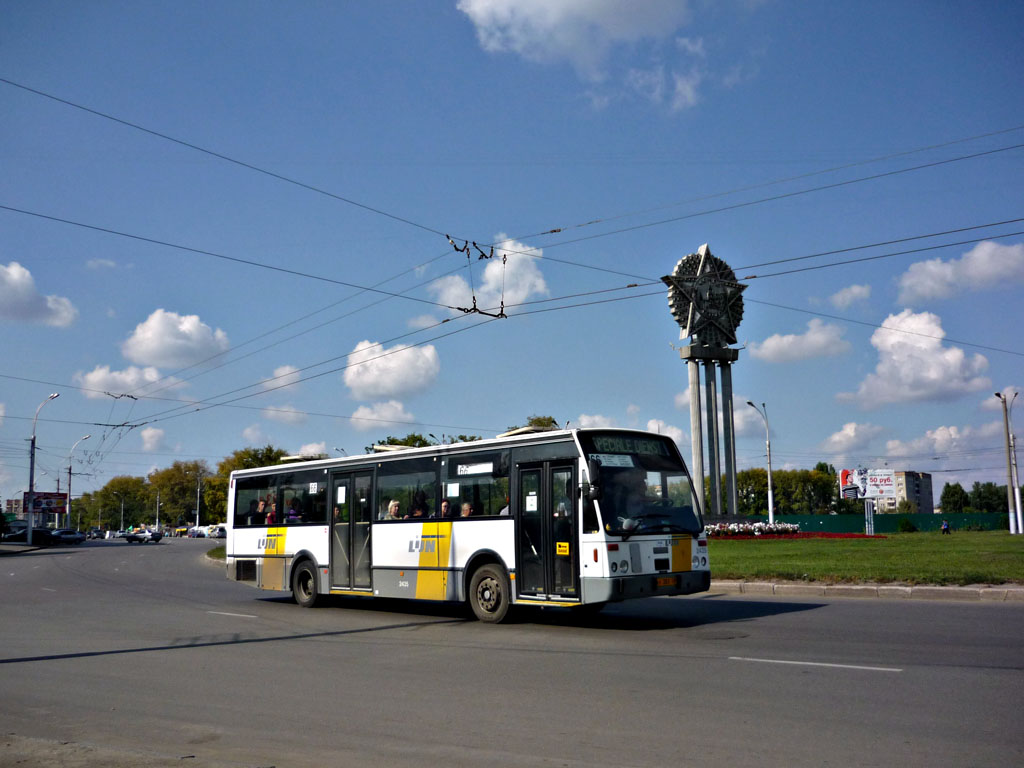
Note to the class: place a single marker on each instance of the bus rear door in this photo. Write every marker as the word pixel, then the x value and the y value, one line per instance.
pixel 351 494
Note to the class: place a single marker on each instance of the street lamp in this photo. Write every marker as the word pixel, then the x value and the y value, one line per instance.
pixel 1012 488
pixel 768 445
pixel 79 525
pixel 32 470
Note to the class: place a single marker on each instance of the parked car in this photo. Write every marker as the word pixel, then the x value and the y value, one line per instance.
pixel 66 536
pixel 95 533
pixel 41 537
pixel 143 537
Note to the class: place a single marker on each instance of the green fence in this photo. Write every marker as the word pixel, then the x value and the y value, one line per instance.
pixel 889 522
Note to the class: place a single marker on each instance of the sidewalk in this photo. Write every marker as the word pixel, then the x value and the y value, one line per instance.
pixel 1009 593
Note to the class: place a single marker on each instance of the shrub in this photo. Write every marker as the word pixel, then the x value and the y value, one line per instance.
pixel 905 526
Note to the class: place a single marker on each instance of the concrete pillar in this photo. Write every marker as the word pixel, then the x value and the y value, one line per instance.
pixel 729 439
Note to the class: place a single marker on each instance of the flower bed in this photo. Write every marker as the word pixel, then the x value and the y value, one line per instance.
pixel 750 530
pixel 811 535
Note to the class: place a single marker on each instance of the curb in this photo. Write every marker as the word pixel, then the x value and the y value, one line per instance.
pixel 980 593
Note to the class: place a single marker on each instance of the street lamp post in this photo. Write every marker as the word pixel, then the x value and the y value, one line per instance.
pixel 121 497
pixel 199 482
pixel 79 525
pixel 32 470
pixel 768 445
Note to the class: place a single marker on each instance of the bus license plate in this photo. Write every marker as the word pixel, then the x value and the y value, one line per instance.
pixel 666 581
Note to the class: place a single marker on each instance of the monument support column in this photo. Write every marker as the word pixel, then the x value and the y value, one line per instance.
pixel 714 456
pixel 729 439
pixel 696 433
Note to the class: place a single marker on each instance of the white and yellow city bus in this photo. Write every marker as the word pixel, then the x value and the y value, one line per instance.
pixel 568 518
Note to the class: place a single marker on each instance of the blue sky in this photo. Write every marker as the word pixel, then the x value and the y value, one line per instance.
pixel 324 148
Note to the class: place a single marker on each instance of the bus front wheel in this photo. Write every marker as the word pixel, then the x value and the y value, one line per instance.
pixel 304 585
pixel 489 593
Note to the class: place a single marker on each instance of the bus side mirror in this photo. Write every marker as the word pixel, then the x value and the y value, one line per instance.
pixel 592 489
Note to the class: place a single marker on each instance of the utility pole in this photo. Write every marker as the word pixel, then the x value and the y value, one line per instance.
pixel 32 471
pixel 69 480
pixel 768 445
pixel 1011 498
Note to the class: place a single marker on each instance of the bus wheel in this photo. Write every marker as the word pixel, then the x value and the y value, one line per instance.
pixel 489 593
pixel 304 585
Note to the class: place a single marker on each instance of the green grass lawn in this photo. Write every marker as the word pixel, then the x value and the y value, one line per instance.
pixel 988 557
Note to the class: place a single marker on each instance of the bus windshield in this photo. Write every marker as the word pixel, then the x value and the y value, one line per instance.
pixel 644 486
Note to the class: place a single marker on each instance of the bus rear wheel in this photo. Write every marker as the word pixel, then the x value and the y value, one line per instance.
pixel 304 585
pixel 489 593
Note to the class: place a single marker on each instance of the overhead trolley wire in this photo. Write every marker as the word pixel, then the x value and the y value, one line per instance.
pixel 221 156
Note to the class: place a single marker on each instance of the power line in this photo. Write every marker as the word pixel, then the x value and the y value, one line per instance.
pixel 235 259
pixel 223 157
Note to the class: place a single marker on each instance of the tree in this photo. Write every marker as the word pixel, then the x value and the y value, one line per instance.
pixel 412 440
pixel 541 422
pixel 215 487
pixel 954 499
pixel 752 491
pixel 906 507
pixel 176 488
pixel 988 497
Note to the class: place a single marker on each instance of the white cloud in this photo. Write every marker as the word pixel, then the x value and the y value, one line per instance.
pixel 3 411
pixel 517 280
pixel 684 93
pixel 379 415
pixel 649 83
pixel 851 293
pixel 986 265
pixel 992 403
pixel 914 366
pixel 422 321
pixel 821 340
pixel 100 264
pixel 284 377
pixel 253 435
pixel 582 32
pixel 152 439
pixel 375 371
pixel 944 440
pixel 101 380
pixel 19 300
pixel 657 425
pixel 691 45
pixel 286 414
pixel 852 437
pixel 586 420
pixel 168 339
pixel 313 449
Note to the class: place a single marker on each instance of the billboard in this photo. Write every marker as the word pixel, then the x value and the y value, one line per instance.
pixel 47 503
pixel 867 483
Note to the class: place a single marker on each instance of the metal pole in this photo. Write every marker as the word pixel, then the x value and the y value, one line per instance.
pixel 715 478
pixel 768 447
pixel 32 471
pixel 69 478
pixel 199 479
pixel 729 439
pixel 1013 464
pixel 1009 467
pixel 696 433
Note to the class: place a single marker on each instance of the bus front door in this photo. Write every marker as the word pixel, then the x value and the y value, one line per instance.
pixel 548 565
pixel 350 530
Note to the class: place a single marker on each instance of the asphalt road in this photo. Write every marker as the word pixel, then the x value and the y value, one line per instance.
pixel 123 654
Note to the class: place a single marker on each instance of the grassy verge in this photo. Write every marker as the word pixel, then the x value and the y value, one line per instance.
pixel 989 557
pixel 218 553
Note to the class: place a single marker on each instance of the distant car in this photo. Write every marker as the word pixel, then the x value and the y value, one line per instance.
pixel 119 534
pixel 95 533
pixel 66 536
pixel 220 532
pixel 143 537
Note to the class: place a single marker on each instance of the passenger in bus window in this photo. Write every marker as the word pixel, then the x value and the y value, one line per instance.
pixel 393 512
pixel 446 509
pixel 467 509
pixel 272 514
pixel 294 514
pixel 252 517
pixel 418 512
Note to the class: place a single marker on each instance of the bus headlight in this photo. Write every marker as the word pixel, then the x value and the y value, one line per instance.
pixel 624 566
pixel 615 566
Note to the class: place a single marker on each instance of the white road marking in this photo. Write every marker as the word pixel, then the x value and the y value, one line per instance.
pixel 47 589
pixel 816 664
pixel 239 615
